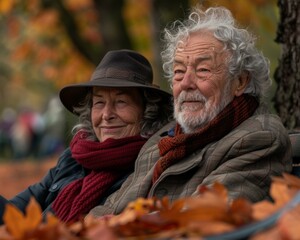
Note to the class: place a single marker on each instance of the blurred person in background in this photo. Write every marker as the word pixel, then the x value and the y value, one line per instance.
pixel 118 110
pixel 26 134
pixel 223 131
pixel 52 140
pixel 8 118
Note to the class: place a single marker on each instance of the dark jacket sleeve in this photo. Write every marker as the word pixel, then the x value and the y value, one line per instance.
pixel 3 202
pixel 38 190
pixel 45 192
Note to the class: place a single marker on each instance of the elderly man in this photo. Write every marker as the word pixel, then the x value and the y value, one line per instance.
pixel 223 131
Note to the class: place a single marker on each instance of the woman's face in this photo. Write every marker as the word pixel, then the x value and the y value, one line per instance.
pixel 116 112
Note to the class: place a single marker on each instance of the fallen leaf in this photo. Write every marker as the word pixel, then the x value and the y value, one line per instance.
pixel 14 221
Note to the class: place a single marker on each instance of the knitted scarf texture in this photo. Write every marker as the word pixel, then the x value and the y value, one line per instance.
pixel 174 148
pixel 107 161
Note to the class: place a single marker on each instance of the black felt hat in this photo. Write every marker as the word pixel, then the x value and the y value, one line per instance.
pixel 118 68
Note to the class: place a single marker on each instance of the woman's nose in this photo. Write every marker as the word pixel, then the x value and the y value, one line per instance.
pixel 189 80
pixel 108 113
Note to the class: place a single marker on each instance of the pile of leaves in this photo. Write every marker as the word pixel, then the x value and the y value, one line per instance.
pixel 210 213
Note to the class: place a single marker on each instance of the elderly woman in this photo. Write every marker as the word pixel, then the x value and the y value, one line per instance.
pixel 118 109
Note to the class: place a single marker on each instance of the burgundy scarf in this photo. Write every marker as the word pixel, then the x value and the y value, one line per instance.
pixel 172 149
pixel 108 161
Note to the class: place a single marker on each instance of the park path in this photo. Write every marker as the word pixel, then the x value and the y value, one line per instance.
pixel 16 176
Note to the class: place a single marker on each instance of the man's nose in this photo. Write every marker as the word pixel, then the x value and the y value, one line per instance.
pixel 189 80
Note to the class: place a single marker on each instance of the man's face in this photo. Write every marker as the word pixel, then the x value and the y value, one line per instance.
pixel 201 85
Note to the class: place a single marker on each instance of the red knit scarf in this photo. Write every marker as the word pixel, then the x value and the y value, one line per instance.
pixel 173 149
pixel 108 161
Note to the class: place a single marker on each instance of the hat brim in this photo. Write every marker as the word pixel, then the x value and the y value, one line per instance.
pixel 72 95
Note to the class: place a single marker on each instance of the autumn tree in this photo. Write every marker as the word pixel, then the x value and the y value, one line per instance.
pixel 287 75
pixel 117 22
pixel 48 44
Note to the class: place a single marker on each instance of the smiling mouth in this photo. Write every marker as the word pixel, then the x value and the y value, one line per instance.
pixel 110 127
pixel 191 105
pixel 110 130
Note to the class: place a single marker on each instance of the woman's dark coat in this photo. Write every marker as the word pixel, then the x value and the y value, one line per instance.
pixel 66 171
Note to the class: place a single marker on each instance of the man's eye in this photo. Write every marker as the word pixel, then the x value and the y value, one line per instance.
pixel 203 70
pixel 178 72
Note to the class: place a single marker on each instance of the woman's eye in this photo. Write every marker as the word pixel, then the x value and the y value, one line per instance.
pixel 121 101
pixel 98 103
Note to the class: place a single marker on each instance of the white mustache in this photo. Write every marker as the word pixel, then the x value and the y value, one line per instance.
pixel 185 96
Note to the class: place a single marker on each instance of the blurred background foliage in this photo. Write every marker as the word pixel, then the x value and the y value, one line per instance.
pixel 46 44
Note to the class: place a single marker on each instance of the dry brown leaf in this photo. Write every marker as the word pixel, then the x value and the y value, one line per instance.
pixel 280 193
pixel 164 203
pixel 51 220
pixel 201 213
pixel 291 185
pixel 208 214
pixel 33 216
pixel 292 180
pixel 272 234
pixel 101 232
pixel 14 221
pixel 4 235
pixel 206 228
pixel 217 188
pixel 209 199
pixel 133 211
pixel 17 223
pixel 289 224
pixel 263 209
pixel 241 212
pixel 220 190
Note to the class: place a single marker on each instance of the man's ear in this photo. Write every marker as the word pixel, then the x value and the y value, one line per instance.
pixel 241 84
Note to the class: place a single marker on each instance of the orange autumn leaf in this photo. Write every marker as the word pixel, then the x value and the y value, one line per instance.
pixel 17 223
pixel 201 213
pixel 293 182
pixel 14 221
pixel 173 207
pixel 280 193
pixel 33 215
pixel 286 228
pixel 220 190
pixel 191 216
pixel 272 233
pixel 211 213
pixel 289 224
pixel 241 211
pixel 133 211
pixel 141 206
pixel 263 209
pixel 165 203
pixel 209 228
pixel 282 190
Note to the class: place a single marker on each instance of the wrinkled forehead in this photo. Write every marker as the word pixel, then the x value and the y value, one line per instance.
pixel 199 45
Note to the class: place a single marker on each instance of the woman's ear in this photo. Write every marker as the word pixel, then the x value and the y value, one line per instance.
pixel 241 84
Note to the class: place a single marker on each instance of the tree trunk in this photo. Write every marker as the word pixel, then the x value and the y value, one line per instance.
pixel 287 74
pixel 112 25
pixel 162 14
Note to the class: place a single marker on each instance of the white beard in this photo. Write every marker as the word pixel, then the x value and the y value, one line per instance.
pixel 194 117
